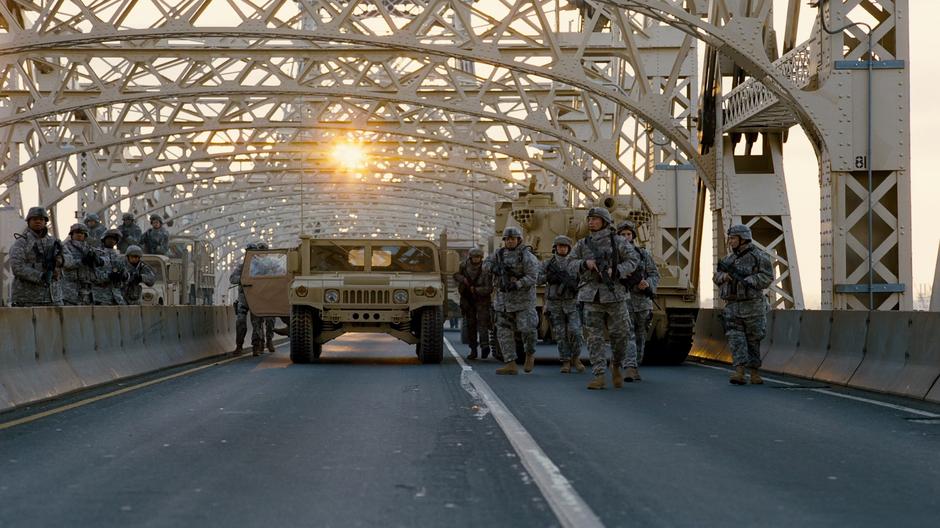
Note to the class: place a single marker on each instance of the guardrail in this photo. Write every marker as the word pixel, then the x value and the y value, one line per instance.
pixel 49 352
pixel 890 352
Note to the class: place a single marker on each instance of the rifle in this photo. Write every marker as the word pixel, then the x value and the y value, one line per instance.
pixel 503 272
pixel 725 267
pixel 604 263
pixel 50 261
pixel 556 275
pixel 634 279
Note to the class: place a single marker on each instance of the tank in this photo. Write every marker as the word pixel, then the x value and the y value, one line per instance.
pixel 676 304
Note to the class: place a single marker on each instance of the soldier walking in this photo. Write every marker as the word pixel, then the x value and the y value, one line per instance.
pixel 641 284
pixel 258 332
pixel 742 277
pixel 515 271
pixel 111 274
pixel 36 260
pixel 96 230
pixel 475 288
pixel 137 272
pixel 561 304
pixel 81 261
pixel 603 257
pixel 130 232
pixel 156 241
pixel 264 326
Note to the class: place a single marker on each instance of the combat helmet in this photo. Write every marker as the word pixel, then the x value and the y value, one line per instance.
pixel 82 228
pixel 156 217
pixel 37 212
pixel 627 225
pixel 115 233
pixel 602 213
pixel 262 246
pixel 562 240
pixel 740 230
pixel 127 216
pixel 512 231
pixel 92 216
pixel 475 252
pixel 133 250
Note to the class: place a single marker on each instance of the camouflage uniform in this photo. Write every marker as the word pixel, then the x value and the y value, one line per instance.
pixel 156 241
pixel 78 276
pixel 745 314
pixel 561 306
pixel 605 308
pixel 515 301
pixel 130 232
pixel 110 275
pixel 476 288
pixel 259 334
pixel 141 273
pixel 94 233
pixel 33 284
pixel 641 301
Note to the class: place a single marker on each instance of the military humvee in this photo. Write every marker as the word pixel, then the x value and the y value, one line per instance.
pixel 329 287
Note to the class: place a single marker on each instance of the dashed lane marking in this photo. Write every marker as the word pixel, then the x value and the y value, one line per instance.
pixel 837 394
pixel 566 503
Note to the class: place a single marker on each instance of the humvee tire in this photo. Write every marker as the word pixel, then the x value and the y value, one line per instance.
pixel 304 327
pixel 430 347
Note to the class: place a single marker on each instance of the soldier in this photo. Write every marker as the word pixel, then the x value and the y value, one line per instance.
pixel 742 277
pixel 475 288
pixel 602 258
pixel 137 272
pixel 36 260
pixel 642 285
pixel 130 232
pixel 242 312
pixel 81 260
pixel 111 274
pixel 95 230
pixel 156 241
pixel 265 325
pixel 561 304
pixel 514 270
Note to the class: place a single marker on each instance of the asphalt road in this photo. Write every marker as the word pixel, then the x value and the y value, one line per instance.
pixel 370 437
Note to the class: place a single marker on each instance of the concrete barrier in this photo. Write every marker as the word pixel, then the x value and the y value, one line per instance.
pixel 24 375
pixel 812 346
pixel 846 347
pixel 887 349
pixel 78 329
pixel 771 324
pixel 781 340
pixel 708 340
pixel 52 372
pixel 924 362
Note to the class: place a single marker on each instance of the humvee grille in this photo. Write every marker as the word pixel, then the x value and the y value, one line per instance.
pixel 367 297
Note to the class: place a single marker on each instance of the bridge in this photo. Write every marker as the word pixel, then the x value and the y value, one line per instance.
pixel 267 120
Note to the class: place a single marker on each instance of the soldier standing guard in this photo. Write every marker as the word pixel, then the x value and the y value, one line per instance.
pixel 96 230
pixel 130 232
pixel 561 304
pixel 475 288
pixel 742 277
pixel 110 275
pixel 137 272
pixel 642 285
pixel 515 271
pixel 603 257
pixel 81 260
pixel 156 241
pixel 36 260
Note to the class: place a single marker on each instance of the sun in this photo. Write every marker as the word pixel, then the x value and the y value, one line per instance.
pixel 349 155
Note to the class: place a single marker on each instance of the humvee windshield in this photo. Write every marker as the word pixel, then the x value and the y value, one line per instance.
pixel 157 268
pixel 389 257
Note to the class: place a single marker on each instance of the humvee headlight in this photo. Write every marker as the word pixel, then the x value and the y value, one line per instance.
pixel 301 291
pixel 400 296
pixel 148 297
pixel 331 296
pixel 430 291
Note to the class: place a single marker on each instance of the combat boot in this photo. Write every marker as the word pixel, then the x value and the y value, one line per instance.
pixel 598 383
pixel 529 362
pixel 256 350
pixel 633 374
pixel 576 363
pixel 473 353
pixel 485 353
pixel 565 367
pixel 737 377
pixel 509 369
pixel 616 375
pixel 755 376
pixel 238 349
pixel 271 347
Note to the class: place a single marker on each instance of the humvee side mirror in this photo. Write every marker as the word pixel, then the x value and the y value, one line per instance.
pixel 173 273
pixel 451 262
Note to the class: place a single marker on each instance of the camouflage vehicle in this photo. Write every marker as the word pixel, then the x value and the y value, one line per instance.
pixel 329 287
pixel 676 303
pixel 197 269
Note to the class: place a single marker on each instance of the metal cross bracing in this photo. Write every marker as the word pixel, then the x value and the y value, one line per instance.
pixel 585 98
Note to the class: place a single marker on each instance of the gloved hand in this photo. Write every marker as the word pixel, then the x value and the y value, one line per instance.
pixel 513 286
pixel 46 278
pixel 91 259
pixel 116 276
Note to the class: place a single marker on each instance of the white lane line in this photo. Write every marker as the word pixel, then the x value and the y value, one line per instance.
pixel 840 395
pixel 566 503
